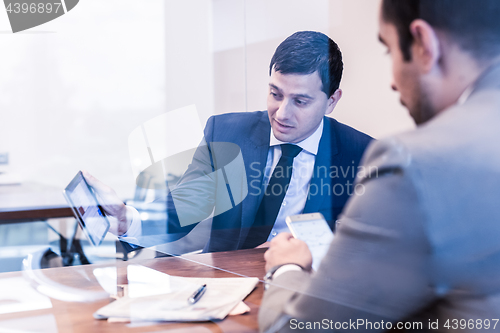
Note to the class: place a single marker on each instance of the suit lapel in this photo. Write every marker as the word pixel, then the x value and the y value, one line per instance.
pixel 255 153
pixel 328 155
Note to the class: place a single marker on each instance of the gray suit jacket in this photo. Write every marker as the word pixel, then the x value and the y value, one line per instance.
pixel 423 241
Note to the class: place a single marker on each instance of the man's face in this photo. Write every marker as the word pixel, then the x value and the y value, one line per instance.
pixel 407 79
pixel 296 105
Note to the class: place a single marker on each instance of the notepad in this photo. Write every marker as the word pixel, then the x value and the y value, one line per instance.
pixel 171 304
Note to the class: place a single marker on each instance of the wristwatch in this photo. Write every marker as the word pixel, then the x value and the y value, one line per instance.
pixel 270 273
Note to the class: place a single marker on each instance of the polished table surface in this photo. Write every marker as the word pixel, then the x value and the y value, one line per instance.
pixel 65 316
pixel 31 201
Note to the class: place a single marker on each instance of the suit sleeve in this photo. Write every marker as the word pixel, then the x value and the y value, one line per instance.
pixel 378 265
pixel 193 197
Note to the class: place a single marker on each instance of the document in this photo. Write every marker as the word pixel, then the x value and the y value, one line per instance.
pixel 221 296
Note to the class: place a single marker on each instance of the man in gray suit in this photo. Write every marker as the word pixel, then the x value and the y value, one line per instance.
pixel 420 249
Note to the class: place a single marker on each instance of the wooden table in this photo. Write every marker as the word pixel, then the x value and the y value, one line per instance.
pixel 77 317
pixel 31 202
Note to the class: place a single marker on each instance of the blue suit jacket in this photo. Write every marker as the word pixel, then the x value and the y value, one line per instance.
pixel 340 150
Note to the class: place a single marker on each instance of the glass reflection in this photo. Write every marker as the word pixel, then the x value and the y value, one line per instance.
pixel 39 324
pixel 48 287
pixel 107 278
pixel 144 281
pixel 16 295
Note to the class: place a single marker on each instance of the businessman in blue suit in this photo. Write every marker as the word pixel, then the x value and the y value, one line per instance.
pixel 295 159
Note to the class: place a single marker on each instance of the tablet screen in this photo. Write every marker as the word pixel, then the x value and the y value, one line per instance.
pixel 87 210
pixel 316 234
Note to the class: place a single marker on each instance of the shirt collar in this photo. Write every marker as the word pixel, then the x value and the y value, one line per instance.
pixel 309 144
pixel 470 89
pixel 465 95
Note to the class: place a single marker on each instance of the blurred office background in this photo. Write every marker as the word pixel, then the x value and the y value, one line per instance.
pixel 72 90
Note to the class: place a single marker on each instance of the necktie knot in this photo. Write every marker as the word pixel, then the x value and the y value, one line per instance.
pixel 289 150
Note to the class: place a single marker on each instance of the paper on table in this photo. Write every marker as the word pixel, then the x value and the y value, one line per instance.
pixel 239 309
pixel 222 295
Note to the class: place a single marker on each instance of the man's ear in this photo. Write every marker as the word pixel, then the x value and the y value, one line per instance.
pixel 333 100
pixel 426 47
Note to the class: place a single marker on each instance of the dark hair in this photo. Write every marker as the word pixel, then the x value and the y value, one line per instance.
pixel 473 24
pixel 306 52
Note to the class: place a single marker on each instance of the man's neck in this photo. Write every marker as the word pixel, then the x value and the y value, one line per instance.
pixel 310 144
pixel 460 72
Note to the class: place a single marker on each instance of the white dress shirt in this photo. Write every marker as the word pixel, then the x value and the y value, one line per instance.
pixel 298 189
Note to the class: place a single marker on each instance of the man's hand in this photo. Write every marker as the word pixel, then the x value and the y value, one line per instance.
pixel 285 249
pixel 263 245
pixel 115 209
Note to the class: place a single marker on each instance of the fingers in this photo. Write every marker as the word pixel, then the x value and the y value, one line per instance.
pixel 297 242
pixel 281 237
pixel 106 196
pixel 286 249
pixel 285 235
pixel 268 257
pixel 95 183
pixel 113 206
pixel 88 177
pixel 263 245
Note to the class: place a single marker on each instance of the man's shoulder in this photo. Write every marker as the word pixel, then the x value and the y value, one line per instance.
pixel 450 132
pixel 347 136
pixel 428 147
pixel 239 118
pixel 237 126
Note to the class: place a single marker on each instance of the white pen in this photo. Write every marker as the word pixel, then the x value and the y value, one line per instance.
pixel 195 297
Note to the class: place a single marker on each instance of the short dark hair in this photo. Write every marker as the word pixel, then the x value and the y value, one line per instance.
pixel 473 24
pixel 306 52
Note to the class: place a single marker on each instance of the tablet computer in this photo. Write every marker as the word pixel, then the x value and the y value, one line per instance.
pixel 88 212
pixel 314 231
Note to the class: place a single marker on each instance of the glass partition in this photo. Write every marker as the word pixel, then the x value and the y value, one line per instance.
pixel 125 90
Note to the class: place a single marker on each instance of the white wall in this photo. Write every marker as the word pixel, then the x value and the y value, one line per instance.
pixel 188 55
pixel 72 90
pixel 242 70
pixel 246 33
pixel 368 103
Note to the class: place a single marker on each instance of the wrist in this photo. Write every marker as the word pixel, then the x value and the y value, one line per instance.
pixel 124 220
pixel 278 270
pixel 134 223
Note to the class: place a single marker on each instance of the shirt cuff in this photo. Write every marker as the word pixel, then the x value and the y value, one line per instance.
pixel 286 268
pixel 135 228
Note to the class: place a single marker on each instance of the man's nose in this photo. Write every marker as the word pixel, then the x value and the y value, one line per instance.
pixel 393 87
pixel 283 110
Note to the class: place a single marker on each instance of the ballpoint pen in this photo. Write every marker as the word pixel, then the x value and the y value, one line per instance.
pixel 195 297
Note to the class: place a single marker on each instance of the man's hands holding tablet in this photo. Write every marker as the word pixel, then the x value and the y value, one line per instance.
pixel 113 207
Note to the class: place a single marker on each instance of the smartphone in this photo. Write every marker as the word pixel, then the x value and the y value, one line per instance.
pixel 89 214
pixel 314 231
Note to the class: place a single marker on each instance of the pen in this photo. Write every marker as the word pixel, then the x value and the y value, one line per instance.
pixel 195 297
